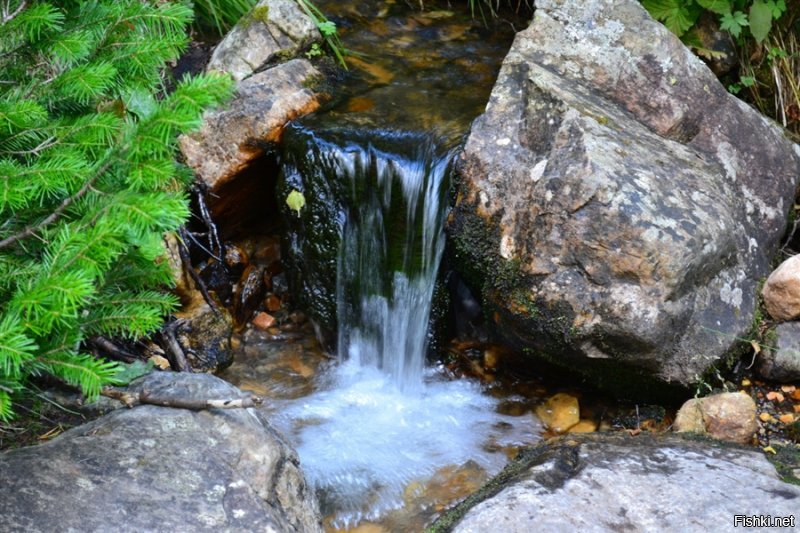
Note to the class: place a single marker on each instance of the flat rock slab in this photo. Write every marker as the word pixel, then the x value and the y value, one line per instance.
pixel 232 137
pixel 615 482
pixel 160 469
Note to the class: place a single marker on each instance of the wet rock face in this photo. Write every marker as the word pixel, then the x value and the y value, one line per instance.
pixel 161 469
pixel 781 360
pixel 205 338
pixel 617 207
pixel 618 483
pixel 232 137
pixel 273 29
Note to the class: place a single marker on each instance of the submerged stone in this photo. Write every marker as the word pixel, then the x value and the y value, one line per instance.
pixel 559 412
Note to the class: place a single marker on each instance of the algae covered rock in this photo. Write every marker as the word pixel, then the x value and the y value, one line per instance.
pixel 375 184
pixel 617 207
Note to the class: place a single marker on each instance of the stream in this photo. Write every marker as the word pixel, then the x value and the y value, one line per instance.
pixel 387 440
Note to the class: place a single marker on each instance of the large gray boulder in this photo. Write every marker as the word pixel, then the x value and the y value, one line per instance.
pixel 621 483
pixel 232 137
pixel 272 30
pixel 617 207
pixel 160 469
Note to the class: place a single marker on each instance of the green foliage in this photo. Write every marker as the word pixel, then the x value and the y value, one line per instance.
pixel 220 15
pixel 327 28
pixel 734 15
pixel 88 180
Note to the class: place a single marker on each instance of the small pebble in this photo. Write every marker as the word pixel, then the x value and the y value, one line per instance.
pixel 775 396
pixel 264 321
pixel 273 303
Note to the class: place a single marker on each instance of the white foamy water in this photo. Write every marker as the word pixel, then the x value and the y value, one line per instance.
pixel 361 440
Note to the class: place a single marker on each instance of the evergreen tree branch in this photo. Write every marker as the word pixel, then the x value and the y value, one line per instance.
pixel 63 206
pixel 8 17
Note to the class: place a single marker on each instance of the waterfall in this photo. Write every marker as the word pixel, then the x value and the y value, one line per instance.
pixel 391 246
pixel 386 193
pixel 373 227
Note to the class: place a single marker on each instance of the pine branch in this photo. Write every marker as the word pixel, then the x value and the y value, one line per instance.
pixel 7 17
pixel 63 206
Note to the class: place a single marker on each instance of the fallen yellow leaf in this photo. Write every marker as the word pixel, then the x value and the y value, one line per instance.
pixel 769 449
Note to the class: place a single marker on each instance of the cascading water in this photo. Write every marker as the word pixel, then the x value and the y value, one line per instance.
pixel 381 420
pixel 384 284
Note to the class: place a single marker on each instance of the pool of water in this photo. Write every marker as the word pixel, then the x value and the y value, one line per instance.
pixel 374 453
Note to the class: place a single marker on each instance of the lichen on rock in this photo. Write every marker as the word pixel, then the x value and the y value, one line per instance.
pixel 638 201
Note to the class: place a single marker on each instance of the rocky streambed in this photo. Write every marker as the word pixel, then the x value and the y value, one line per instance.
pixel 614 211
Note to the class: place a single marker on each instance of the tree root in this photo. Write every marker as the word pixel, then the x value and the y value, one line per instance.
pixel 173 348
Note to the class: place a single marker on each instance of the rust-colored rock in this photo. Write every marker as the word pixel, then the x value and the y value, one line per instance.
pixel 782 290
pixel 559 412
pixel 273 303
pixel 264 321
pixel 232 137
pixel 729 416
